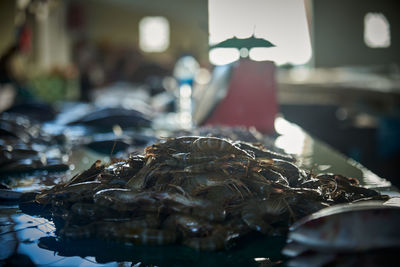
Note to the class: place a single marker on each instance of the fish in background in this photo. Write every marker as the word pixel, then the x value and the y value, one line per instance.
pixel 25 147
pixel 37 111
pixel 106 118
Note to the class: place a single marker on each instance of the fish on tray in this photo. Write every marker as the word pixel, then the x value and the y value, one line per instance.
pixel 106 118
pixel 110 143
pixel 38 111
pixel 343 232
pixel 26 147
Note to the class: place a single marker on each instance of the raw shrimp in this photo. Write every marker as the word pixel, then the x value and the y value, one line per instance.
pixel 219 239
pixel 214 145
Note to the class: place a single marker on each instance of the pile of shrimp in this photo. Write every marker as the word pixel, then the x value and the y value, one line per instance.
pixel 203 192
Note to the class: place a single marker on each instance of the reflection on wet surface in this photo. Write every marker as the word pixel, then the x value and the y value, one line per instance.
pixel 22 234
pixel 319 157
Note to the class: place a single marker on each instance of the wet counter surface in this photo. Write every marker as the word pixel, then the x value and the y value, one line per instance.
pixel 26 239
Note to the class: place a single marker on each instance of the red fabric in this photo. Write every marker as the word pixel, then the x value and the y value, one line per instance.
pixel 25 39
pixel 251 98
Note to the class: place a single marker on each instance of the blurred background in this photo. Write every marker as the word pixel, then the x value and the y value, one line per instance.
pixel 336 63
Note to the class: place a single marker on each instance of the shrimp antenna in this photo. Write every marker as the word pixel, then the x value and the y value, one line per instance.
pixel 117 130
pixel 112 150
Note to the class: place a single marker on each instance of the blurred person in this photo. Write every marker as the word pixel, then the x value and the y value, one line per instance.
pixel 7 90
pixel 6 73
pixel 11 70
pixel 85 60
pixel 12 78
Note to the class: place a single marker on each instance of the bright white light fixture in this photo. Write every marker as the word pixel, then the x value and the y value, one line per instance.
pixel 153 34
pixel 282 22
pixel 376 30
